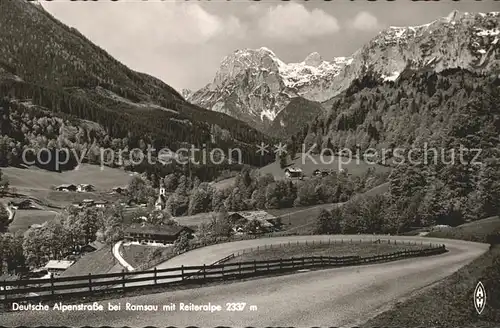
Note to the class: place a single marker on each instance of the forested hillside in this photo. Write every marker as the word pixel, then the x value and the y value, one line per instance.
pixel 441 112
pixel 295 115
pixel 46 66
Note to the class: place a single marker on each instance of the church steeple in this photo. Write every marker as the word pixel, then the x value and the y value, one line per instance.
pixel 163 191
pixel 160 202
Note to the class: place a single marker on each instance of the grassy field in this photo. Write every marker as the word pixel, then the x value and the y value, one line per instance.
pixel 101 261
pixel 449 303
pixel 308 165
pixel 287 251
pixel 25 218
pixel 194 220
pixel 473 231
pixel 37 179
pixel 302 219
pixel 137 255
pixel 36 184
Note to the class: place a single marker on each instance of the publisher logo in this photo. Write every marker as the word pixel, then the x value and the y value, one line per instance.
pixel 479 298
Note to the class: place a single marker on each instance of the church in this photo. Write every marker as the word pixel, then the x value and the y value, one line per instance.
pixel 161 201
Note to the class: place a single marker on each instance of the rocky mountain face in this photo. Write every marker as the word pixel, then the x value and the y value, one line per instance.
pixel 255 85
pixel 186 93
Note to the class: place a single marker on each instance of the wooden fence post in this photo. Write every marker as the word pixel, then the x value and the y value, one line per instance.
pixel 155 275
pixel 5 289
pixel 51 284
pixel 182 272
pixel 281 264
pixel 204 272
pixel 123 278
pixel 222 271
pixel 90 282
pixel 254 266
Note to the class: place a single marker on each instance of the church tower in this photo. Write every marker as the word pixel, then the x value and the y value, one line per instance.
pixel 163 191
pixel 162 197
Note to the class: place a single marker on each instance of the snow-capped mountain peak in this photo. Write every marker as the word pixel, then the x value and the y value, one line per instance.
pixel 255 84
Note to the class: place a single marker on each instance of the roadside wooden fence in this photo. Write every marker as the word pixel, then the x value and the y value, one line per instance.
pixel 23 291
pixel 150 264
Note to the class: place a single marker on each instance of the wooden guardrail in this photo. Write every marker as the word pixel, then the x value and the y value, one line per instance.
pixel 23 291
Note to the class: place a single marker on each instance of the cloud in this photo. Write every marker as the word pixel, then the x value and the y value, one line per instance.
pixel 178 42
pixel 365 21
pixel 293 23
pixel 166 23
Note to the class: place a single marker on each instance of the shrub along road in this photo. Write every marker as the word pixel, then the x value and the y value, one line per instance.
pixel 331 297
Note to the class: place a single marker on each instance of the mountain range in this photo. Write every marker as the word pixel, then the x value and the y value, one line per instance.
pixel 257 87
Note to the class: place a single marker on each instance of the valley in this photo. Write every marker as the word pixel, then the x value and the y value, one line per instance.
pixel 398 140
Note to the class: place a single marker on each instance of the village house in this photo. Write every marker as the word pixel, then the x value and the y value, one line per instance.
pixel 321 173
pixel 148 233
pixel 87 203
pixel 100 203
pixel 57 267
pixel 76 204
pixel 85 187
pixel 293 172
pixel 92 247
pixel 66 187
pixel 240 218
pixel 119 190
pixel 21 204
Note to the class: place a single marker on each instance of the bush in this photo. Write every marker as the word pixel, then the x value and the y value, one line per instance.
pixel 493 239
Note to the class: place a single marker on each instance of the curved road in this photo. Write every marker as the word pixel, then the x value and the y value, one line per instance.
pixel 332 297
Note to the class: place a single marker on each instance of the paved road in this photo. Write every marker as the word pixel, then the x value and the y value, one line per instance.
pixel 118 256
pixel 332 297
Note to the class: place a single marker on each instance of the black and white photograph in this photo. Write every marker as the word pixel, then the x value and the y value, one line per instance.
pixel 247 163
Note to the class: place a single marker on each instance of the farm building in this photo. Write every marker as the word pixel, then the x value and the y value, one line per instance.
pixel 76 204
pixel 92 247
pixel 321 173
pixel 57 267
pixel 85 187
pixel 21 204
pixel 262 216
pixel 148 233
pixel 100 203
pixel 119 190
pixel 8 278
pixel 293 172
pixel 66 187
pixel 87 202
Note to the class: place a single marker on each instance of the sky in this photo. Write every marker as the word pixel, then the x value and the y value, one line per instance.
pixel 184 42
